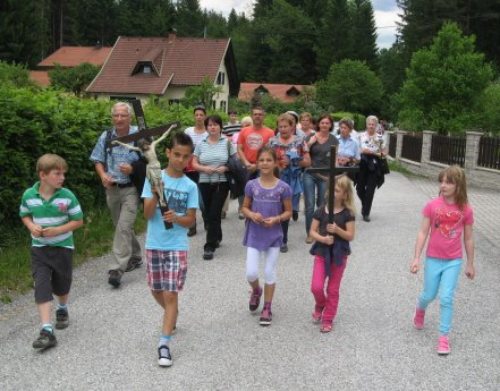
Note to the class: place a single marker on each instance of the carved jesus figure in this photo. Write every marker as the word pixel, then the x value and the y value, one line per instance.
pixel 153 168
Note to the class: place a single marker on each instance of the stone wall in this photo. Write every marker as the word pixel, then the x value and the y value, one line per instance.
pixel 476 176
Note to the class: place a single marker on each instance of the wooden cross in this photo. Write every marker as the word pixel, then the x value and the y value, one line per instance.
pixel 144 132
pixel 332 171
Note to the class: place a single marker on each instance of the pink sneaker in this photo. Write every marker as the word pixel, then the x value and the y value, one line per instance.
pixel 443 347
pixel 255 300
pixel 266 317
pixel 317 314
pixel 418 320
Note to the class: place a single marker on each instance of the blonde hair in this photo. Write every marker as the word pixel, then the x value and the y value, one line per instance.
pixel 48 162
pixel 456 175
pixel 305 115
pixel 345 185
pixel 286 117
pixel 246 121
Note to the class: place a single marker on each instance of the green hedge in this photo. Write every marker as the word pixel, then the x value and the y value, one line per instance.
pixel 36 122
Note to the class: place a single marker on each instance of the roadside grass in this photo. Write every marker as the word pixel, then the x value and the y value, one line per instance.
pixel 92 240
pixel 398 167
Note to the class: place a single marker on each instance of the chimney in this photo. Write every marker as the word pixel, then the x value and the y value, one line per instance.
pixel 172 34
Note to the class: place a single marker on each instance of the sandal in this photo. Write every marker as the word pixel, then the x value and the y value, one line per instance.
pixel 325 328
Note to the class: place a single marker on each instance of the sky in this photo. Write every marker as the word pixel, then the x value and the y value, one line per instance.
pixel 386 15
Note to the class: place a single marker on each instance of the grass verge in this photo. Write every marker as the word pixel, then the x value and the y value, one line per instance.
pixel 92 240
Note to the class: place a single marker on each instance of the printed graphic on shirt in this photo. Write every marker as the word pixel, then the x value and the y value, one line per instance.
pixel 254 141
pixel 447 222
pixel 177 200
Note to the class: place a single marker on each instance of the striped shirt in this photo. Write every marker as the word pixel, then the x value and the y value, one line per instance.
pixel 230 129
pixel 214 155
pixel 58 210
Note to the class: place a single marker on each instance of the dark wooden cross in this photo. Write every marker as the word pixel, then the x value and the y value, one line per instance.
pixel 332 171
pixel 145 134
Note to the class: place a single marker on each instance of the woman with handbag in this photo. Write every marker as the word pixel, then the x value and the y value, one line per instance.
pixel 210 160
pixel 370 176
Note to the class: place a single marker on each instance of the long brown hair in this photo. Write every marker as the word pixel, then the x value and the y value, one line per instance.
pixel 456 175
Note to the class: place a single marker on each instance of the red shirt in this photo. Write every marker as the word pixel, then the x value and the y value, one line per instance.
pixel 252 140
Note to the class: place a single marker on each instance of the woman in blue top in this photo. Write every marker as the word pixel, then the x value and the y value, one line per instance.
pixel 210 159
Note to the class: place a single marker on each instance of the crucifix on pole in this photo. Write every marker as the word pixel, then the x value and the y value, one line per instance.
pixel 144 143
pixel 332 171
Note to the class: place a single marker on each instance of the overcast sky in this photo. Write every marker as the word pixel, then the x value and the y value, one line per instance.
pixel 385 15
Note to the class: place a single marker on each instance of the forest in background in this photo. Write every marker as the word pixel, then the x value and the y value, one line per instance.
pixel 284 41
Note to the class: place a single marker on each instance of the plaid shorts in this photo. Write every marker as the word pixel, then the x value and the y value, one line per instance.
pixel 166 270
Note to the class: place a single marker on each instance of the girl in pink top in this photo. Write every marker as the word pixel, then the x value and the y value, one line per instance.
pixel 446 220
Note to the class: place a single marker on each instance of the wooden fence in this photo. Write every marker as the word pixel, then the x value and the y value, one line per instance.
pixel 426 153
pixel 489 152
pixel 448 150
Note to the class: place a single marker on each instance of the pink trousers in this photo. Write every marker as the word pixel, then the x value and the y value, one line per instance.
pixel 328 299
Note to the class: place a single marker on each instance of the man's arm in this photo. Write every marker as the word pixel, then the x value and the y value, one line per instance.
pixel 107 181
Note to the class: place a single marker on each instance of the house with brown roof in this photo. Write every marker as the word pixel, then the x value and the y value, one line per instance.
pixel 139 67
pixel 286 93
pixel 69 57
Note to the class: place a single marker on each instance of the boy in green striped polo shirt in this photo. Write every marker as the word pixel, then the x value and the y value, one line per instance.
pixel 51 213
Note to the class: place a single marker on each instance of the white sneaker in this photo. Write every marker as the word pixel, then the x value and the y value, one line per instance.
pixel 165 359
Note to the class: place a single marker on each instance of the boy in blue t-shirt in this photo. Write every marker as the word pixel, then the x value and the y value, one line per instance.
pixel 166 250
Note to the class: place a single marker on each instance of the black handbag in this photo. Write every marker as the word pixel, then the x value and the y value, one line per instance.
pixel 236 174
pixel 384 166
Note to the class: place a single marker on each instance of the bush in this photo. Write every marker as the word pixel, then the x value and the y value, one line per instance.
pixel 74 79
pixel 36 123
pixel 487 108
pixel 443 83
pixel 15 75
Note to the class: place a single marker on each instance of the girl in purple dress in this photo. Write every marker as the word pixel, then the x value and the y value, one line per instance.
pixel 267 203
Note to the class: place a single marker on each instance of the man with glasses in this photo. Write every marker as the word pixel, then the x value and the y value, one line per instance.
pixel 114 167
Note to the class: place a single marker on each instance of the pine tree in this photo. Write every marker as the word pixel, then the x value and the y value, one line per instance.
pixel 364 36
pixel 334 42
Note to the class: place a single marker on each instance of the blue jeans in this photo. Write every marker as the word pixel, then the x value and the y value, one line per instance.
pixel 440 275
pixel 314 195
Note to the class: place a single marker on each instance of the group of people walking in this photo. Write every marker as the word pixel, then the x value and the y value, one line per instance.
pixel 276 162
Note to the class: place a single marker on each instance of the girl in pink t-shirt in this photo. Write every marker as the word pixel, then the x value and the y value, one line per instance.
pixel 446 220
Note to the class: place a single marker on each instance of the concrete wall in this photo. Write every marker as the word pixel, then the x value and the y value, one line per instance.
pixel 476 176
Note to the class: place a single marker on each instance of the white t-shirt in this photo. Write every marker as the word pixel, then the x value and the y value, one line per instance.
pixel 195 136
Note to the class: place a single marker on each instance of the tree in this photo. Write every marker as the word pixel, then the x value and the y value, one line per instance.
pixel 74 79
pixel 334 44
pixel 282 48
pixel 189 20
pixel 202 94
pixel 487 106
pixel 23 33
pixel 363 33
pixel 215 24
pixel 422 19
pixel 351 86
pixel 443 83
pixel 14 75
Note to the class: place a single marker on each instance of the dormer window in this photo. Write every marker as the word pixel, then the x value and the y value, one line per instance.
pixel 145 68
pixel 261 90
